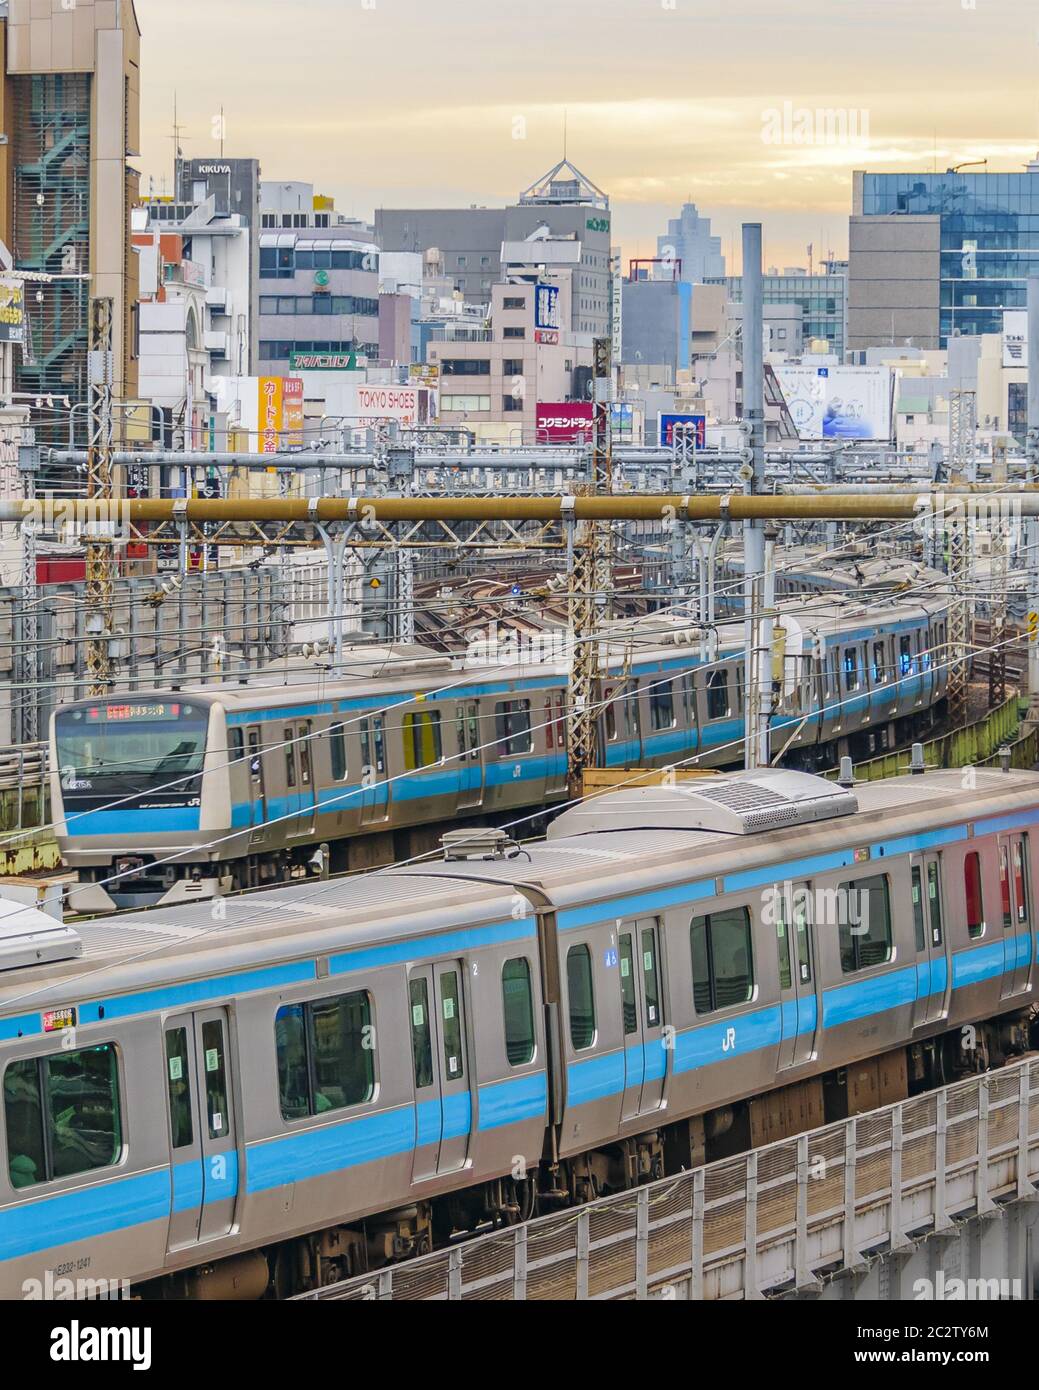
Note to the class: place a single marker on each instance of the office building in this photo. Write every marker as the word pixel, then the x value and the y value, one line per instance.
pixel 70 113
pixel 822 300
pixel 689 246
pixel 938 256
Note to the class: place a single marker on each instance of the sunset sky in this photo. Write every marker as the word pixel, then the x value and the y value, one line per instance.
pixel 414 102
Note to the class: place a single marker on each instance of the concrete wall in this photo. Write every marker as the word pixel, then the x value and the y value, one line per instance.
pixel 893 281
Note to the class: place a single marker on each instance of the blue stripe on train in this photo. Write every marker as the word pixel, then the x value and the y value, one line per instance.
pixel 131 820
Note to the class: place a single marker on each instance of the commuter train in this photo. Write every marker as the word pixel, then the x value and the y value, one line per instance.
pixel 195 792
pixel 322 1078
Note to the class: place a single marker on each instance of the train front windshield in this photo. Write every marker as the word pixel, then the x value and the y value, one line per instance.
pixel 109 750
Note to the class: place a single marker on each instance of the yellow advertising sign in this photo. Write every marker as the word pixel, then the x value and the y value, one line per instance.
pixel 12 311
pixel 271 416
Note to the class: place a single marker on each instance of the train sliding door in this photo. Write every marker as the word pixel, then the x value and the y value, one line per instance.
pixel 470 785
pixel 645 1058
pixel 932 966
pixel 1016 906
pixel 443 1105
pixel 799 1007
pixel 203 1149
pixel 374 772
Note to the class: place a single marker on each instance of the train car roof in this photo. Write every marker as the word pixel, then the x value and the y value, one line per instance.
pixel 314 919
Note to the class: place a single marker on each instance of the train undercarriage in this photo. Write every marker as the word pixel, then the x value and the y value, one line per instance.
pixel 328 1256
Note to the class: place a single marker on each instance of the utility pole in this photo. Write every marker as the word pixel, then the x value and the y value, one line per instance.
pixel 1031 527
pixel 591 583
pixel 962 432
pixel 100 545
pixel 757 684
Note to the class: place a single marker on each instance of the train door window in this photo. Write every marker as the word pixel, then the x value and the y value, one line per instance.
pixel 851 669
pixel 472 730
pixel 879 666
pixel 1004 886
pixel 833 678
pixel 611 715
pixel 934 902
pixel 236 748
pixel 974 895
pixel 650 977
pixel 723 962
pixel 337 748
pixel 290 758
pixel 863 911
pixel 178 1082
pixel 512 728
pixel 62 1115
pixel 786 978
pixel 550 731
pixel 561 720
pixel 255 757
pixel 1020 869
pixel 304 754
pixel 803 939
pixel 662 706
pixel 629 1006
pixel 581 997
pixel 421 1035
pixel 215 1065
pixel 905 655
pixel 918 910
pixel 373 745
pixel 451 1025
pixel 422 740
pixel 718 695
pixel 518 1006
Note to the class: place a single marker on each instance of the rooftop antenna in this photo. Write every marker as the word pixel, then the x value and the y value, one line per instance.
pixel 178 152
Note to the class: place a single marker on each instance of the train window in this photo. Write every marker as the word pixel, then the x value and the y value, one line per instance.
pixel 629 1007
pixel 905 655
pixel 304 754
pixel 373 745
pixel 974 895
pixel 337 748
pixel 851 669
pixel 649 977
pixel 451 1025
pixel 918 910
pixel 934 902
pixel 550 731
pixel 236 749
pixel 290 759
pixel 662 706
pixel 561 721
pixel 1004 886
pixel 421 1037
pixel 255 755
pixel 723 962
pixel 834 677
pixel 863 911
pixel 581 996
pixel 422 740
pixel 804 945
pixel 518 1003
pixel 879 665
pixel 512 728
pixel 786 979
pixel 178 1081
pixel 611 715
pixel 215 1061
pixel 325 1055
pixel 718 706
pixel 62 1115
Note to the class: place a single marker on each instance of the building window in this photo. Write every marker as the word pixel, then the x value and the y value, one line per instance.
pixel 465 366
pixel 514 333
pixel 512 366
pixel 514 302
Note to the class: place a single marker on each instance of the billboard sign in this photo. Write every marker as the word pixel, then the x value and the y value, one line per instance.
pixel 565 422
pixel 323 362
pixel 838 402
pixel 1015 338
pixel 292 411
pixel 377 404
pixel 12 311
pixel 280 412
pixel 691 428
pixel 546 314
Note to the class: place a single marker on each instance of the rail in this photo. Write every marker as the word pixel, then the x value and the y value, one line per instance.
pixel 773 1221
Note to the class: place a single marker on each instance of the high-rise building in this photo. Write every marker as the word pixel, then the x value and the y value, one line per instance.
pixel 821 298
pixel 70 112
pixel 689 246
pixel 467 245
pixel 936 256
